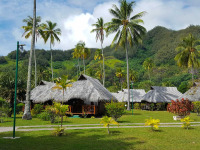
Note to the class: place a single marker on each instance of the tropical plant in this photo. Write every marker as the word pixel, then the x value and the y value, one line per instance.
pixel 196 107
pixel 188 53
pixel 133 76
pixel 186 122
pixel 38 33
pixel 180 107
pixel 128 30
pixel 115 109
pixel 27 113
pixel 148 65
pixel 77 54
pixel 120 74
pixel 51 32
pixel 99 29
pixel 154 123
pixel 107 121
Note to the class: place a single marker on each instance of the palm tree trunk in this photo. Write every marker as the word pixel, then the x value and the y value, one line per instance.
pixel 79 66
pixel 108 130
pixel 121 83
pixel 149 74
pixel 192 75
pixel 27 113
pixel 103 65
pixel 128 107
pixel 51 62
pixel 35 68
pixel 84 64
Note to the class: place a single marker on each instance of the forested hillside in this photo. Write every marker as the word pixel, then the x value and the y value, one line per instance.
pixel 159 45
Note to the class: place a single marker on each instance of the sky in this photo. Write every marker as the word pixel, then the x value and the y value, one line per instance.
pixel 75 17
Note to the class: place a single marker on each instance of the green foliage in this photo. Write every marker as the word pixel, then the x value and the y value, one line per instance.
pixel 51 113
pixel 115 109
pixel 186 122
pixel 107 121
pixel 136 106
pixel 183 87
pixel 196 107
pixel 44 116
pixel 154 123
pixel 2 60
pixel 161 106
pixel 59 132
pixel 38 108
pixel 19 107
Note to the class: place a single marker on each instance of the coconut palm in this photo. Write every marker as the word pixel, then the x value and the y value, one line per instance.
pixel 107 121
pixel 27 113
pixel 51 32
pixel 133 76
pixel 85 52
pixel 99 29
pixel 120 74
pixel 98 56
pixel 77 54
pixel 148 65
pixel 28 32
pixel 129 30
pixel 188 53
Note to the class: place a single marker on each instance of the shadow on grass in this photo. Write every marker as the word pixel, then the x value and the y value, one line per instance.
pixel 73 140
pixel 134 114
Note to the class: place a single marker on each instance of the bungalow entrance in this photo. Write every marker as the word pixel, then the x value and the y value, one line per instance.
pixel 77 106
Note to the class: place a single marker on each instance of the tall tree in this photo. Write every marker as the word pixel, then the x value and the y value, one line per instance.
pixel 28 32
pixel 120 74
pixel 51 32
pixel 148 65
pixel 129 30
pixel 98 56
pixel 27 112
pixel 99 29
pixel 188 53
pixel 77 54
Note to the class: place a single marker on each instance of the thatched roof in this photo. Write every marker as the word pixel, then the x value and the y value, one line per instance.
pixel 86 88
pixel 159 94
pixel 193 94
pixel 136 94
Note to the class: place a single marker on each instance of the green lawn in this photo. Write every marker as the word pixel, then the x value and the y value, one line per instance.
pixel 138 116
pixel 98 139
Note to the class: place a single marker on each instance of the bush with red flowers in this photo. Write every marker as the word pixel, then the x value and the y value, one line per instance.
pixel 180 107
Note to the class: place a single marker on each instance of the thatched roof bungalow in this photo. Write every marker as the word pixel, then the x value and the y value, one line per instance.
pixel 193 94
pixel 135 94
pixel 159 94
pixel 85 91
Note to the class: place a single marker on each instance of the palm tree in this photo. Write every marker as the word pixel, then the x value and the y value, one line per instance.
pixel 129 30
pixel 120 74
pixel 99 29
pixel 27 113
pixel 98 55
pixel 188 53
pixel 107 121
pixel 85 52
pixel 77 54
pixel 133 76
pixel 51 32
pixel 28 32
pixel 148 65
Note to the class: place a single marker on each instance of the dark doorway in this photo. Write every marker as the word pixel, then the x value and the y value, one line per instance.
pixel 76 105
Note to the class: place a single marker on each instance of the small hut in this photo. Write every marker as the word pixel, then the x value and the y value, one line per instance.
pixel 193 94
pixel 86 96
pixel 135 95
pixel 159 94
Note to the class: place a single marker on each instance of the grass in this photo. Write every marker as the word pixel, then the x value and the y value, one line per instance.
pixel 98 139
pixel 138 116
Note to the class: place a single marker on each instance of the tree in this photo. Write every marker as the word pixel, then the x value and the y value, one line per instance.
pixel 128 30
pixel 99 29
pixel 133 76
pixel 28 32
pixel 120 74
pixel 98 55
pixel 27 113
pixel 51 32
pixel 188 53
pixel 107 121
pixel 77 54
pixel 148 65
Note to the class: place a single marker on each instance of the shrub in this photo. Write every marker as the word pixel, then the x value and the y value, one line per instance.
pixel 154 123
pixel 36 109
pixel 115 109
pixel 51 113
pixel 136 106
pixel 186 122
pixel 180 107
pixel 44 116
pixel 196 107
pixel 59 132
pixel 160 106
pixel 19 107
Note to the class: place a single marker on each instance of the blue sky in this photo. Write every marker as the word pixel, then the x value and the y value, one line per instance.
pixel 74 18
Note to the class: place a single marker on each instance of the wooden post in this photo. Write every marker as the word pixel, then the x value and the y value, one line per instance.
pixel 94 110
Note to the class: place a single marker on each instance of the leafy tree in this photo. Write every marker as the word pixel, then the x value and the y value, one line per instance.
pixel 128 30
pixel 2 60
pixel 120 74
pixel 107 121
pixel 99 29
pixel 27 113
pixel 77 54
pixel 154 123
pixel 196 107
pixel 51 32
pixel 148 65
pixel 188 53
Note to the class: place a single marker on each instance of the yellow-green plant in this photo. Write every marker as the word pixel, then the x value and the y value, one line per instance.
pixel 107 121
pixel 154 123
pixel 58 132
pixel 186 122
